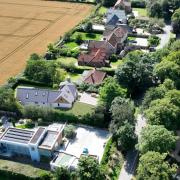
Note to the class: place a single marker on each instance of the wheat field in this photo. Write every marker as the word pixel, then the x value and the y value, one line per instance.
pixel 27 27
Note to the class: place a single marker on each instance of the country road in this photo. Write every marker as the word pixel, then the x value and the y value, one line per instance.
pixel 129 165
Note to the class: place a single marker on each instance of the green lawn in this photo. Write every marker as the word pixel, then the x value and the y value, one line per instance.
pixel 131 38
pixel 114 65
pixel 25 126
pixel 72 45
pixel 141 12
pixel 67 60
pixel 19 168
pixel 74 76
pixel 88 36
pixel 80 109
pixel 102 10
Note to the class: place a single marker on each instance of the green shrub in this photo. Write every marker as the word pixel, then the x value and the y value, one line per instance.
pixel 153 40
pixel 138 3
pixel 69 131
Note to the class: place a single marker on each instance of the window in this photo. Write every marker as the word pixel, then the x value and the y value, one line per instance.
pixel 32 148
pixel 27 96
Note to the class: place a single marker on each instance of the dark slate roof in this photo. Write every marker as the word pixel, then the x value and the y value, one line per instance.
pixel 17 135
pixel 114 15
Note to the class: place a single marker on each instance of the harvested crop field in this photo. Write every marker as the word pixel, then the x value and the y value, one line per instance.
pixel 29 26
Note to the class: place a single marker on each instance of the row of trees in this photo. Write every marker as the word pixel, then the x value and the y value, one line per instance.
pixel 43 71
pixel 161 106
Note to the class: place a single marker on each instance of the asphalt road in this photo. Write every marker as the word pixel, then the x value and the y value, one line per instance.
pixel 165 37
pixel 129 166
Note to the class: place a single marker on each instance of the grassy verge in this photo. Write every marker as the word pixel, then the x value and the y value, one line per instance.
pixel 112 161
pixel 9 169
pixel 81 109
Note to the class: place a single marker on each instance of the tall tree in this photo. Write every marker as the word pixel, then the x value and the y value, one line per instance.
pixel 169 67
pixel 126 137
pixel 176 21
pixel 157 92
pixel 152 165
pixel 136 74
pixel 165 111
pixel 109 90
pixel 8 101
pixel 89 169
pixel 122 111
pixel 156 138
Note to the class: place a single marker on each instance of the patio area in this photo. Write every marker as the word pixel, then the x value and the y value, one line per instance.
pixel 89 138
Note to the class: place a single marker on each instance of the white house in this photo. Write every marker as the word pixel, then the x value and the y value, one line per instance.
pixel 62 98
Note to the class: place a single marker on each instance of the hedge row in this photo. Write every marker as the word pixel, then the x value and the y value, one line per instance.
pixel 23 80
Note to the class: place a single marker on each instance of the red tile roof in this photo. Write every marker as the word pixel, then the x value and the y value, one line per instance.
pixel 96 55
pixel 94 77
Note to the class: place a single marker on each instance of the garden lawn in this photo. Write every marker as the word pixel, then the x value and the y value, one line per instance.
pixel 67 60
pixel 88 36
pixel 19 168
pixel 114 65
pixel 81 109
pixel 74 76
pixel 72 45
pixel 102 10
pixel 141 12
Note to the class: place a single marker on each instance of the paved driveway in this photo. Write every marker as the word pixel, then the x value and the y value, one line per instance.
pixel 88 99
pixel 88 137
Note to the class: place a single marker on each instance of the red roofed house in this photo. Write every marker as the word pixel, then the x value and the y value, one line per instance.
pixel 116 37
pixel 94 77
pixel 99 53
pixel 123 4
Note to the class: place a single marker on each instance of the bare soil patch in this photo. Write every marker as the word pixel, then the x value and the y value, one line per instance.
pixel 29 26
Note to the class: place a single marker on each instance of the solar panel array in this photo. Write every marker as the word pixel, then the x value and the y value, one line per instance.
pixel 18 135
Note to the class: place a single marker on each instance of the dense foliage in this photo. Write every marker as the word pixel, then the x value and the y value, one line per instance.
pixel 152 165
pixel 169 67
pixel 136 73
pixel 176 21
pixel 89 169
pixel 8 101
pixel 122 111
pixel 165 111
pixel 109 90
pixel 156 138
pixel 44 71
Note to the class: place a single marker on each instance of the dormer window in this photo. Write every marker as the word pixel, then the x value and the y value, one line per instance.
pixel 44 94
pixel 36 93
pixel 27 96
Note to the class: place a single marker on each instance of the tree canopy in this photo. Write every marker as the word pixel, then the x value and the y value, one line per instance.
pixel 89 169
pixel 122 111
pixel 109 90
pixel 165 111
pixel 136 73
pixel 157 92
pixel 156 138
pixel 44 71
pixel 176 21
pixel 8 101
pixel 62 173
pixel 169 67
pixel 126 137
pixel 152 165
